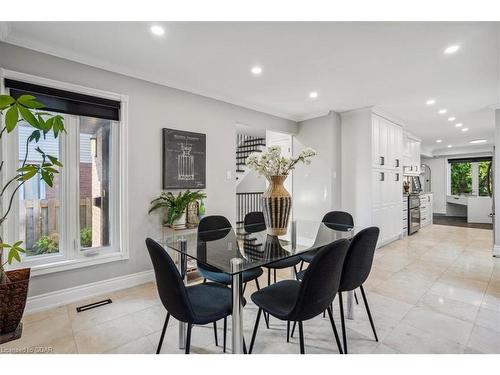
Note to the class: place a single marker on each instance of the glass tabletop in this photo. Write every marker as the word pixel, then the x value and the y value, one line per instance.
pixel 253 245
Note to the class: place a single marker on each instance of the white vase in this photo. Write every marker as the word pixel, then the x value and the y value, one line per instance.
pixel 180 222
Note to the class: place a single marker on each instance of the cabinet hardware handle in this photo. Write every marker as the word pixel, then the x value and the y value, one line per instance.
pixel 382 176
pixel 397 163
pixel 382 160
pixel 397 176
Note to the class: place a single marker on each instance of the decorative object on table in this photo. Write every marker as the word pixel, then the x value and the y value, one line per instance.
pixel 184 160
pixel 176 206
pixel 276 200
pixel 14 284
pixel 192 214
pixel 406 187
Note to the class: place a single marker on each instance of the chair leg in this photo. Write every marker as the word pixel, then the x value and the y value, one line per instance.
pixel 268 276
pixel 344 338
pixel 324 312
pixel 255 331
pixel 355 297
pixel 266 318
pixel 257 283
pixel 244 346
pixel 368 311
pixel 215 334
pixel 301 338
pixel 225 334
pixel 293 329
pixel 295 272
pixel 188 338
pixel 337 339
pixel 287 331
pixel 160 343
pixel 301 265
pixel 204 281
pixel 275 275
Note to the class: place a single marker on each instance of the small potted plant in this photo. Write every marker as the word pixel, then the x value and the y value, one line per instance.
pixel 176 206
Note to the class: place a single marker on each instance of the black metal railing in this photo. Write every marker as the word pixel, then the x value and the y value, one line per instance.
pixel 245 203
pixel 245 145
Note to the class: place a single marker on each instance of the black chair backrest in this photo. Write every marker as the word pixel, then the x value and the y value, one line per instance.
pixel 211 228
pixel 321 281
pixel 170 286
pixel 343 219
pixel 254 222
pixel 359 259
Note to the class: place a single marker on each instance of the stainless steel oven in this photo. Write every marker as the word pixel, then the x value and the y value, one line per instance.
pixel 413 213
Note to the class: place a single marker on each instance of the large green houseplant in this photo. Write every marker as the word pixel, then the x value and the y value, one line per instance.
pixel 175 205
pixel 14 284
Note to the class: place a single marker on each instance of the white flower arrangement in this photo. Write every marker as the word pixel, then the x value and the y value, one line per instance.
pixel 271 163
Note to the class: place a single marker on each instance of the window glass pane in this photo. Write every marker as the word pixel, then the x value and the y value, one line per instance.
pixel 39 204
pixel 95 174
pixel 485 180
pixel 461 178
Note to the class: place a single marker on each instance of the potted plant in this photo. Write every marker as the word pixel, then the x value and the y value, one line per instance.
pixel 176 206
pixel 276 200
pixel 14 284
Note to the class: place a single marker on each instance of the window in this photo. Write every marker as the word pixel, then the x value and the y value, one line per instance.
pixel 472 176
pixel 81 219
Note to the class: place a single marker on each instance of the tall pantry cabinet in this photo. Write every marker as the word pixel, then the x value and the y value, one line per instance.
pixel 372 171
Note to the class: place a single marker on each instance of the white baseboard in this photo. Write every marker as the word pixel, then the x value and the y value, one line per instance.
pixel 64 296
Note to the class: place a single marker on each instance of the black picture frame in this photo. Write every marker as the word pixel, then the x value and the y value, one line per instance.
pixel 183 160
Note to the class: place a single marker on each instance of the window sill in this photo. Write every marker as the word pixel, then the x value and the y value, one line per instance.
pixel 65 265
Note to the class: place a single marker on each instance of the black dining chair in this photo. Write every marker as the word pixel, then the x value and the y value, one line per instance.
pixel 198 304
pixel 292 300
pixel 212 228
pixel 357 266
pixel 337 220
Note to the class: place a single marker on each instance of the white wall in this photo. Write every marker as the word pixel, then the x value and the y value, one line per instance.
pixel 496 173
pixel 438 168
pixel 151 108
pixel 316 187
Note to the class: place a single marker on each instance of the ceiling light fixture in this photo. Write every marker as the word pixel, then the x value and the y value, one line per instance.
pixel 313 94
pixel 451 119
pixel 430 102
pixel 256 70
pixel 449 146
pixel 442 111
pixel 459 125
pixel 439 140
pixel 452 49
pixel 157 30
pixel 478 141
pixel 465 129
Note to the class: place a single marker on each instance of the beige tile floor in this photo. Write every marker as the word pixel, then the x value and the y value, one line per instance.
pixel 435 292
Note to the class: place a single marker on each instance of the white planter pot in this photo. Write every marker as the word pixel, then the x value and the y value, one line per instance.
pixel 180 222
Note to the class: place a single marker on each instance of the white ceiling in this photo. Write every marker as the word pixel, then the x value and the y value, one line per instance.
pixel 394 65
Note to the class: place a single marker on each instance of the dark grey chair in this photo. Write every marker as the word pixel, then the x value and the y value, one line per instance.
pixel 357 267
pixel 292 300
pixel 198 304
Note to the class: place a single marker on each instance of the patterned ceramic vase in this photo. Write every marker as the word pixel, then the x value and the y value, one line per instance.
pixel 276 205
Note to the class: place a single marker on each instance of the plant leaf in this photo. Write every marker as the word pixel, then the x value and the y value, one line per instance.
pixel 6 101
pixel 30 101
pixel 11 118
pixel 29 117
pixel 54 160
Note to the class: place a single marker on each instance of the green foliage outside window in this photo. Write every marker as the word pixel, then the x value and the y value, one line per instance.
pixel 461 178
pixel 485 185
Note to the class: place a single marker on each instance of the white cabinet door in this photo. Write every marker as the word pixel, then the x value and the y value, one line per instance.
pixel 375 142
pixel 383 143
pixel 377 187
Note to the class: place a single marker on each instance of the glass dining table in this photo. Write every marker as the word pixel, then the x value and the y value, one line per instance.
pixel 234 252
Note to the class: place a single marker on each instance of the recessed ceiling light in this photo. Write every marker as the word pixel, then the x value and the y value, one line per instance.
pixel 452 49
pixel 459 125
pixel 442 111
pixel 313 94
pixel 478 141
pixel 157 30
pixel 465 129
pixel 439 140
pixel 451 118
pixel 256 70
pixel 430 102
pixel 449 146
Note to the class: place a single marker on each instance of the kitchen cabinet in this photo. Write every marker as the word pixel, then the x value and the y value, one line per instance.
pixel 372 154
pixel 411 155
pixel 426 210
